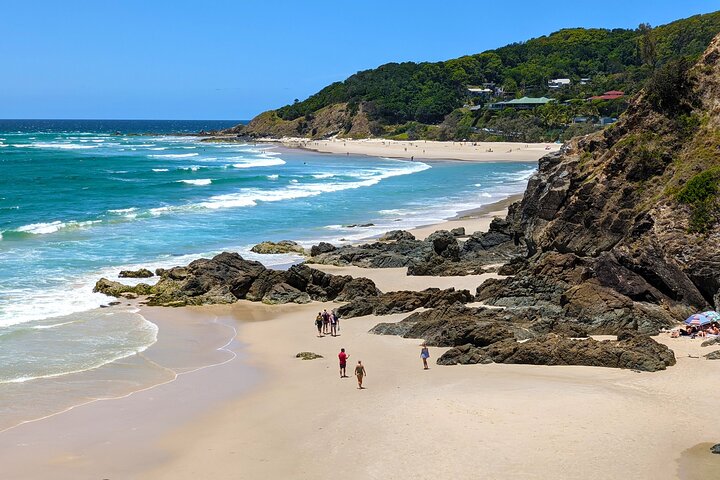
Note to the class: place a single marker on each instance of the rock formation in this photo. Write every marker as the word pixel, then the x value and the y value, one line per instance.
pixel 402 302
pixel 283 246
pixel 631 350
pixel 141 273
pixel 228 277
pixel 441 254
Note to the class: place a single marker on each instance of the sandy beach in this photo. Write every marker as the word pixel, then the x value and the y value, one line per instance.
pixel 424 149
pixel 266 414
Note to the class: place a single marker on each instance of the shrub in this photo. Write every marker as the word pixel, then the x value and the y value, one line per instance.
pixel 700 193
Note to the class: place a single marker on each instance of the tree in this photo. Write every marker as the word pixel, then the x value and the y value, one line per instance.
pixel 647 43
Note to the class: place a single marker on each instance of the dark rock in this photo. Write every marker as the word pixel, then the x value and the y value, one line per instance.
pixel 713 355
pixel 228 277
pixel 308 355
pixel 402 302
pixel 320 248
pixel 444 244
pixel 631 350
pixel 715 448
pixel 141 273
pixel 710 341
pixel 284 293
pixel 283 246
pixel 458 232
pixel 395 235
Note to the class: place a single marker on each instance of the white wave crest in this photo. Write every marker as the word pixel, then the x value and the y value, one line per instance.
pixel 199 181
pixel 273 177
pixel 62 146
pixel 51 227
pixel 261 162
pixel 159 169
pixel 174 155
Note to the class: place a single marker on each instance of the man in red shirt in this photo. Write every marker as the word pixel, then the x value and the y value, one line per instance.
pixel 342 356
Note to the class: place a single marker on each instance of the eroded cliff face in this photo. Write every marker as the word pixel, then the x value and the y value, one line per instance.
pixel 609 240
pixel 337 119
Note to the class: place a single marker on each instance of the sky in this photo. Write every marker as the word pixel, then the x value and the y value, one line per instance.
pixel 230 60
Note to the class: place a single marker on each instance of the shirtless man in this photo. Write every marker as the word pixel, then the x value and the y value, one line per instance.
pixel 360 373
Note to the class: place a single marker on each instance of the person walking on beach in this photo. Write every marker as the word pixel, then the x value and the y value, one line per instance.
pixel 360 373
pixel 424 354
pixel 342 356
pixel 319 324
pixel 337 320
pixel 333 325
pixel 326 321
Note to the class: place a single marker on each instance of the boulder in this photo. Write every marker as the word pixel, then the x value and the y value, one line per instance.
pixel 444 244
pixel 141 273
pixel 281 293
pixel 283 246
pixel 322 247
pixel 395 235
pixel 715 448
pixel 458 232
pixel 710 341
pixel 308 355
pixel 713 355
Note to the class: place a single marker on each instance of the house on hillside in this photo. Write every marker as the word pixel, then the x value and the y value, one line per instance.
pixel 559 82
pixel 611 95
pixel 524 103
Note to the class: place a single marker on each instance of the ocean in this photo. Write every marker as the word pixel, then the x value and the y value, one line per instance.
pixel 80 200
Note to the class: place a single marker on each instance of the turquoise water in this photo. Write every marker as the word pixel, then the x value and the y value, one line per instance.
pixel 80 201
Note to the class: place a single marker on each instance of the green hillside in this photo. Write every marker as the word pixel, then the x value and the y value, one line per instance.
pixel 426 99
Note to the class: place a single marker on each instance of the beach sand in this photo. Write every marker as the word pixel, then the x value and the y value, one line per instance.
pixel 425 149
pixel 267 414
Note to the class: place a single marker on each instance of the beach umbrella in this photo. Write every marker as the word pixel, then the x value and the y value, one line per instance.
pixel 712 315
pixel 697 319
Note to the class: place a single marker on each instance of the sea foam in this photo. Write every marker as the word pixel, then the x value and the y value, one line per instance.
pixel 199 181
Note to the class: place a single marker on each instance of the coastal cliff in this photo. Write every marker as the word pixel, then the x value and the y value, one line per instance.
pixel 621 226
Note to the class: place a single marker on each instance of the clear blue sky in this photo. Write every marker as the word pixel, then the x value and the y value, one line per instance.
pixel 205 59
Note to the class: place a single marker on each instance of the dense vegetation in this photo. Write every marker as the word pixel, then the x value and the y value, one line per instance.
pixel 425 100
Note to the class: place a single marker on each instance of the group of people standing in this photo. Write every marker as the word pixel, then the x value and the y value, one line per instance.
pixel 327 323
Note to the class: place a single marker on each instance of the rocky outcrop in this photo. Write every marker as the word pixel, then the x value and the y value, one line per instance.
pixel 441 254
pixel 283 246
pixel 322 247
pixel 228 277
pixel 141 273
pixel 631 350
pixel 338 119
pixel 621 226
pixel 402 302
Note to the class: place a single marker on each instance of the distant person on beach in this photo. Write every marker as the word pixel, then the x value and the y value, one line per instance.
pixel 424 354
pixel 360 373
pixel 333 324
pixel 319 323
pixel 326 321
pixel 342 356
pixel 337 320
